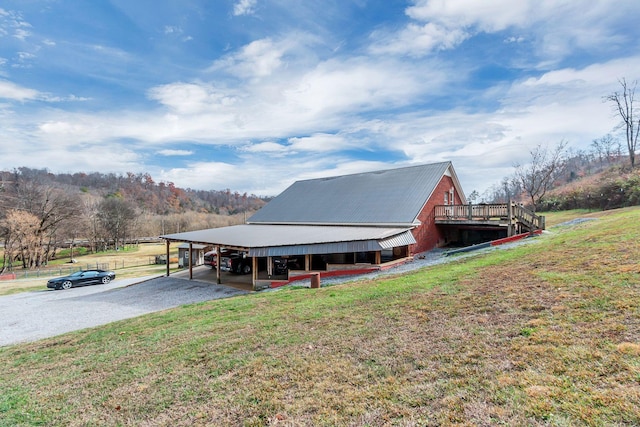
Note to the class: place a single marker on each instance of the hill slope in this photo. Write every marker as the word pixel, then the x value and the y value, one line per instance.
pixel 140 189
pixel 543 334
pixel 612 188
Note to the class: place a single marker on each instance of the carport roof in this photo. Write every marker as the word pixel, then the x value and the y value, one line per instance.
pixel 194 246
pixel 274 240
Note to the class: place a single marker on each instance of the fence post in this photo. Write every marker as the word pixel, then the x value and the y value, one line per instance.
pixel 470 211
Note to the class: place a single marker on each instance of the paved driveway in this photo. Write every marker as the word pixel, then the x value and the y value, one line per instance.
pixel 30 316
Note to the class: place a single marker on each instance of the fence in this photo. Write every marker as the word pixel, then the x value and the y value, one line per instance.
pixel 510 212
pixel 67 269
pixel 484 211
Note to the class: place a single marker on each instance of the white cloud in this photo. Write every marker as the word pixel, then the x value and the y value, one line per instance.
pixel 415 39
pixel 190 98
pixel 264 176
pixel 12 91
pixel 12 23
pixel 514 39
pixel 23 60
pixel 172 153
pixel 259 58
pixel 9 90
pixel 360 84
pixel 565 104
pixel 203 175
pixel 169 29
pixel 557 27
pixel 489 15
pixel 271 148
pixel 244 7
pixel 21 34
pixel 62 157
pixel 319 143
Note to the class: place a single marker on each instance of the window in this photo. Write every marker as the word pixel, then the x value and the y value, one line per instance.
pixel 446 198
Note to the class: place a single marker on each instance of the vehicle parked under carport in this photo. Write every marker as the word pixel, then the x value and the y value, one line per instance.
pixel 237 262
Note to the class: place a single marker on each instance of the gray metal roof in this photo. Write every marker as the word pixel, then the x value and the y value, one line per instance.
pixel 274 240
pixel 387 197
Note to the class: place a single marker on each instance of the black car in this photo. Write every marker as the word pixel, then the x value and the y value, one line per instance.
pixel 82 278
pixel 283 265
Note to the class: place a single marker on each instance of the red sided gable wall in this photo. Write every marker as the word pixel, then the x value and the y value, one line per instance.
pixel 427 235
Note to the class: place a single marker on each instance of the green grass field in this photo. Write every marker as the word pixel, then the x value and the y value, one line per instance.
pixel 132 261
pixel 546 333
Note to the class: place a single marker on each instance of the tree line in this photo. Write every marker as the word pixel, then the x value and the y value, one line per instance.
pixel 42 212
pixel 559 178
pixel 550 167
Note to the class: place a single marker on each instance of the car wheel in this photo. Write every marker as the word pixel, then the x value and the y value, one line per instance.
pixel 246 269
pixel 105 280
pixel 66 284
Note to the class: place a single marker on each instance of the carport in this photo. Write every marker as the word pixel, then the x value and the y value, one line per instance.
pixel 329 250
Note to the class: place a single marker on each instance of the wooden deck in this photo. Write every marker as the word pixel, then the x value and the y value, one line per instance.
pixel 516 218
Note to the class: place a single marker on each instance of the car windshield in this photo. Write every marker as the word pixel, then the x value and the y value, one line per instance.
pixel 77 274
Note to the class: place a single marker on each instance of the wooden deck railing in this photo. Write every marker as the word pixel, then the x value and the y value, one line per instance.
pixel 505 212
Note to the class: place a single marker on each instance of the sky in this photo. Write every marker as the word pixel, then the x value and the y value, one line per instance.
pixel 252 95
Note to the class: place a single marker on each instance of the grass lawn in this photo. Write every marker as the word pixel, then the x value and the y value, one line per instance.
pixel 133 261
pixel 541 334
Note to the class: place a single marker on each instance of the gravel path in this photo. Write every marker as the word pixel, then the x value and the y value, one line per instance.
pixel 31 316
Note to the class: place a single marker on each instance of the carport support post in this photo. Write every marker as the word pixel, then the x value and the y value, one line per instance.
pixel 254 271
pixel 190 260
pixel 168 243
pixel 218 259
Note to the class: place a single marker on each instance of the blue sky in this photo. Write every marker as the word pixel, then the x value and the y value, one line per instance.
pixel 252 95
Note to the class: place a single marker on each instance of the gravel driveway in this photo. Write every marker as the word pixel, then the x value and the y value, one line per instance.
pixel 30 316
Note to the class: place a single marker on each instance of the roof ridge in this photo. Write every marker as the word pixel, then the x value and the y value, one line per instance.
pixel 377 171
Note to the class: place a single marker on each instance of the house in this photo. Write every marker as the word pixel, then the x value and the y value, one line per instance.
pixel 338 225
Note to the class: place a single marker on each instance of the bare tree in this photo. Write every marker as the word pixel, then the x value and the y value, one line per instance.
pixel 623 106
pixel 22 242
pixel 606 147
pixel 25 199
pixel 117 217
pixel 542 172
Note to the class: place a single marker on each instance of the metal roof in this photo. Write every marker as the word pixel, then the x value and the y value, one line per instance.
pixel 391 197
pixel 274 240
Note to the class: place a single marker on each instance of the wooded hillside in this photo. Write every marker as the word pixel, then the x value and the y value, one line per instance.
pixel 154 197
pixel 41 212
pixel 599 179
